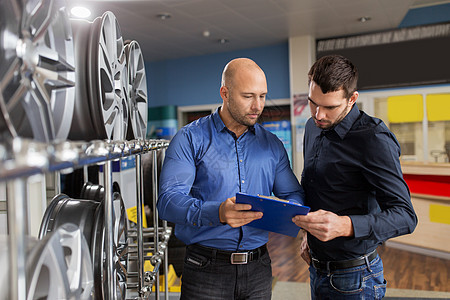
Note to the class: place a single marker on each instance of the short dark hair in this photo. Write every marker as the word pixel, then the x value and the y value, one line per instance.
pixel 333 73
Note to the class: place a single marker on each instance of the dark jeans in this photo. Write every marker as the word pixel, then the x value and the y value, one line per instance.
pixel 217 279
pixel 353 283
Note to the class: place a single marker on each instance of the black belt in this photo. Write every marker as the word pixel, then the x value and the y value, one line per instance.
pixel 328 266
pixel 235 258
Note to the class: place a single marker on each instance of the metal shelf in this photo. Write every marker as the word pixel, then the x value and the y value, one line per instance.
pixel 21 158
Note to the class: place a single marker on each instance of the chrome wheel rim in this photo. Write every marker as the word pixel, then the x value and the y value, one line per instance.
pixel 120 250
pixel 57 267
pixel 137 92
pixel 65 258
pixel 101 108
pixel 88 216
pixel 37 75
pixel 111 71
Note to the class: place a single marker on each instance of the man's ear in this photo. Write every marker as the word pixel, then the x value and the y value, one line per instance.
pixel 224 92
pixel 353 98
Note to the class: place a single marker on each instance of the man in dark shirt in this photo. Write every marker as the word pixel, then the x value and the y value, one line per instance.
pixel 354 185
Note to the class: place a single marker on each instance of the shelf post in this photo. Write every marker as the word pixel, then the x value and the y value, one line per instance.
pixel 140 239
pixel 166 250
pixel 17 229
pixel 109 243
pixel 155 215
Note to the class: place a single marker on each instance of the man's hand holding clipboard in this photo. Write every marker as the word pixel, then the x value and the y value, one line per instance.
pixel 277 213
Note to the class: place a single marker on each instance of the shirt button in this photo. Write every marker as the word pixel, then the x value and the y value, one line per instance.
pixel 210 224
pixel 240 160
pixel 243 181
pixel 241 246
pixel 195 224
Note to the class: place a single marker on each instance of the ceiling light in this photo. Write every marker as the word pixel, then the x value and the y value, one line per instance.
pixel 164 16
pixel 223 41
pixel 364 19
pixel 206 33
pixel 80 12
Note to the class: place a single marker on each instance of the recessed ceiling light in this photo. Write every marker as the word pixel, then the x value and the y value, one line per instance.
pixel 223 41
pixel 364 19
pixel 80 12
pixel 164 16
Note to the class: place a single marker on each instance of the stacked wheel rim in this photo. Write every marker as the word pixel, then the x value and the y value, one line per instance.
pixel 88 215
pixel 137 92
pixel 57 267
pixel 102 97
pixel 120 250
pixel 37 69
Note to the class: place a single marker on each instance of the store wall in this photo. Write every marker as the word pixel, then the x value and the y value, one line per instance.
pixel 196 80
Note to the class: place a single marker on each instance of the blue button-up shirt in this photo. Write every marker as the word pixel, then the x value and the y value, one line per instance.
pixel 205 164
pixel 353 169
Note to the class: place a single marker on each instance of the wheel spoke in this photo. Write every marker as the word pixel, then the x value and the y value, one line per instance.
pixel 104 56
pixel 10 74
pixel 39 114
pixel 40 78
pixel 14 100
pixel 16 7
pixel 141 96
pixel 140 127
pixel 39 18
pixel 52 60
pixel 110 125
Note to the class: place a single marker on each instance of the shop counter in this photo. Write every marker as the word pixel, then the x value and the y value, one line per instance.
pixel 429 184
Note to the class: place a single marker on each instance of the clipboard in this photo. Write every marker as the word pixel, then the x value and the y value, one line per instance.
pixel 277 213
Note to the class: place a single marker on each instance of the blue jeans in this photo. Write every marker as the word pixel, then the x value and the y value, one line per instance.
pixel 353 283
pixel 212 279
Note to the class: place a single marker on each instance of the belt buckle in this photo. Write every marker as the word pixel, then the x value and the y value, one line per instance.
pixel 239 258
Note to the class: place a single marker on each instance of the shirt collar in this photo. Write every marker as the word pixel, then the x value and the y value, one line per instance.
pixel 220 126
pixel 344 126
pixel 218 123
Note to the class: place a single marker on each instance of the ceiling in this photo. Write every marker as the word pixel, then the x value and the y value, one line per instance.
pixel 196 26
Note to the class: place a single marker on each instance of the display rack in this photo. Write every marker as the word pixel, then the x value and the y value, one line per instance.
pixel 21 158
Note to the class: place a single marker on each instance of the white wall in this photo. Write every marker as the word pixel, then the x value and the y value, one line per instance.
pixel 302 55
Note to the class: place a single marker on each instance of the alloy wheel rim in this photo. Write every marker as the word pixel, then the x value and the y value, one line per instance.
pixel 111 76
pixel 37 76
pixel 137 92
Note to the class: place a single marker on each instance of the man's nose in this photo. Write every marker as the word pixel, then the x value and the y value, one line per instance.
pixel 257 104
pixel 320 113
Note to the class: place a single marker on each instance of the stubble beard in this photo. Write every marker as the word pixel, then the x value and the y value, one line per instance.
pixel 329 124
pixel 238 117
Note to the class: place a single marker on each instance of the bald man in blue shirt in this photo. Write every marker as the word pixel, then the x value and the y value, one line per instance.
pixel 207 163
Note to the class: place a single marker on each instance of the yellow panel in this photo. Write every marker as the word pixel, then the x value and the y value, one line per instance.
pixel 438 107
pixel 440 213
pixel 132 215
pixel 148 267
pixel 408 108
pixel 173 281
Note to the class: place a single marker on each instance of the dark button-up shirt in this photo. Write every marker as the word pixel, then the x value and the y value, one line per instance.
pixel 205 164
pixel 353 169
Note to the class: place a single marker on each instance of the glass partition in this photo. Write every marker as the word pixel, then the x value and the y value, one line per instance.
pixel 419 118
